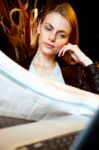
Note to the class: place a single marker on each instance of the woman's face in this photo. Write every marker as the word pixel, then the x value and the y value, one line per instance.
pixel 54 33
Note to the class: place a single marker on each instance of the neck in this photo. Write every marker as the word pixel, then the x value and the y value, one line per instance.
pixel 42 60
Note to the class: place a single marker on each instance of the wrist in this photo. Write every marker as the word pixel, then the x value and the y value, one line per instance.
pixel 86 62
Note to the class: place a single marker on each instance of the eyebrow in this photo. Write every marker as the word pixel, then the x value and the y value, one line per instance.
pixel 49 25
pixel 63 31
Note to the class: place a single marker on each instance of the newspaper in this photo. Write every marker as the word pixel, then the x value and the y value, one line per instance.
pixel 24 95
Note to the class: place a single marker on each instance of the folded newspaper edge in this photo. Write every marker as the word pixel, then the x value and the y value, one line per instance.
pixel 25 95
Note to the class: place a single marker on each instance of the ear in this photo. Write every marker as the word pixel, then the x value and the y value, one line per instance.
pixel 38 27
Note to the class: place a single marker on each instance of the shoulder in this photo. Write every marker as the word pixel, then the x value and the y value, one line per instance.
pixel 93 68
pixel 71 69
pixel 25 63
pixel 71 73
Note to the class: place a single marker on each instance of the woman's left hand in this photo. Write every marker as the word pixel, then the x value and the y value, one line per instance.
pixel 76 54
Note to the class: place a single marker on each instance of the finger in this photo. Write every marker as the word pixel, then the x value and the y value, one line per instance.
pixel 74 57
pixel 60 52
pixel 63 51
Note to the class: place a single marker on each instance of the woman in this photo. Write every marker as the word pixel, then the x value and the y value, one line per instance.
pixel 56 54
pixel 58 57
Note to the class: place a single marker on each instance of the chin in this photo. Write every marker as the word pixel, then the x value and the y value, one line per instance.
pixel 48 51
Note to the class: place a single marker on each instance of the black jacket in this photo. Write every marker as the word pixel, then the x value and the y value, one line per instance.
pixel 86 78
pixel 75 75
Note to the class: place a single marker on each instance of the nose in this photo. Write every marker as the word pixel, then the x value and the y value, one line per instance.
pixel 52 36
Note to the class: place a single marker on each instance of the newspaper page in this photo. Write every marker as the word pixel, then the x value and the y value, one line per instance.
pixel 26 96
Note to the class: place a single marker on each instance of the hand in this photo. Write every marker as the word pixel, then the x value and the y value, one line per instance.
pixel 77 55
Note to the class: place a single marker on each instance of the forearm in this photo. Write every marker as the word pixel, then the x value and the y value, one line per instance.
pixel 92 73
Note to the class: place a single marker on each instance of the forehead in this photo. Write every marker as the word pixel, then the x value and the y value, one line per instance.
pixel 58 21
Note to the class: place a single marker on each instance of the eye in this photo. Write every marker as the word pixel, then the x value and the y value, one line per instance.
pixel 62 36
pixel 48 28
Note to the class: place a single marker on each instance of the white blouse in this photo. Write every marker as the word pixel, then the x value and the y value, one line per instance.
pixel 55 76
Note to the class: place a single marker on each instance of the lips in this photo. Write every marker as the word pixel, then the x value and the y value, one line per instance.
pixel 49 45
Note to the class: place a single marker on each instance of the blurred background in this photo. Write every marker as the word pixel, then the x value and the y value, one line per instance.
pixel 87 13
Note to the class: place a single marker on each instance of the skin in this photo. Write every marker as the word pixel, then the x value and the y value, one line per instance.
pixel 77 55
pixel 54 34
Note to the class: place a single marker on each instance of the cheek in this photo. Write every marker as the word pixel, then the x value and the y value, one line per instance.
pixel 60 45
pixel 43 36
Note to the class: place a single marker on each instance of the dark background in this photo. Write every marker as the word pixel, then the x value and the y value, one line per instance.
pixel 88 14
